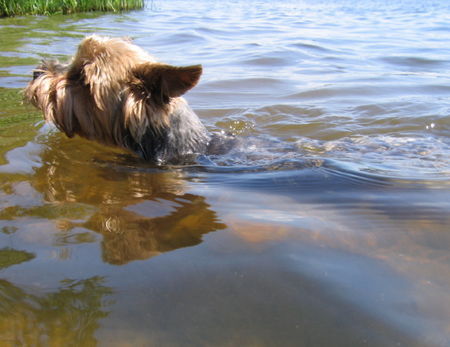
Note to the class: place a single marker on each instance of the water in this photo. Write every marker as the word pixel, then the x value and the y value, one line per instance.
pixel 326 225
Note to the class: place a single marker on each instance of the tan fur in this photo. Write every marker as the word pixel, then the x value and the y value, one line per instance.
pixel 112 89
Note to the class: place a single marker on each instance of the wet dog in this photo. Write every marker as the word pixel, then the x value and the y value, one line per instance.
pixel 115 93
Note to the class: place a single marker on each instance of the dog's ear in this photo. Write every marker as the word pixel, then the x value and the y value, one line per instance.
pixel 163 81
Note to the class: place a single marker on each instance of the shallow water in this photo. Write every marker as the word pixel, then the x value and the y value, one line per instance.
pixel 326 225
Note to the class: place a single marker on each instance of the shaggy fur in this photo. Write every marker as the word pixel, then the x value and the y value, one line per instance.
pixel 115 93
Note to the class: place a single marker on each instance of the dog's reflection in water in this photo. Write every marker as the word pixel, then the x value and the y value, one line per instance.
pixel 139 210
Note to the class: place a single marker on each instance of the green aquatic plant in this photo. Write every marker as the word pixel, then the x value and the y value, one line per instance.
pixel 10 8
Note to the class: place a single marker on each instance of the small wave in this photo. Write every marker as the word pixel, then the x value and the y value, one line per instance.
pixel 299 176
pixel 415 62
pixel 178 39
pixel 310 47
pixel 242 85
pixel 265 61
pixel 407 157
pixel 416 157
pixel 330 92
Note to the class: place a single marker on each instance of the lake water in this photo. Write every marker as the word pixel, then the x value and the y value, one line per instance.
pixel 326 225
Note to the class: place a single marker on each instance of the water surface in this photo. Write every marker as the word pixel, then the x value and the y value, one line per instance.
pixel 326 225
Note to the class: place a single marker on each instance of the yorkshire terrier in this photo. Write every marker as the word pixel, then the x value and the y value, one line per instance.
pixel 115 93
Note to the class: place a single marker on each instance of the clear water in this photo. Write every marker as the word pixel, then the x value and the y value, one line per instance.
pixel 326 225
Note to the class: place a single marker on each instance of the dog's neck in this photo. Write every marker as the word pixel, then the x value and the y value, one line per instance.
pixel 184 136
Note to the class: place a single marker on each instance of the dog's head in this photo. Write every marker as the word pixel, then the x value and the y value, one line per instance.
pixel 111 89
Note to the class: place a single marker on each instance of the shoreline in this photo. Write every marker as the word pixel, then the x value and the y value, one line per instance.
pixel 52 7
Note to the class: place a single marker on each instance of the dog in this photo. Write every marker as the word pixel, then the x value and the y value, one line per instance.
pixel 115 93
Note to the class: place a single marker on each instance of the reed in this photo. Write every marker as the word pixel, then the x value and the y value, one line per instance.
pixel 10 8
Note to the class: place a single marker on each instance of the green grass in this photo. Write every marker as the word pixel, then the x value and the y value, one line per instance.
pixel 10 8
